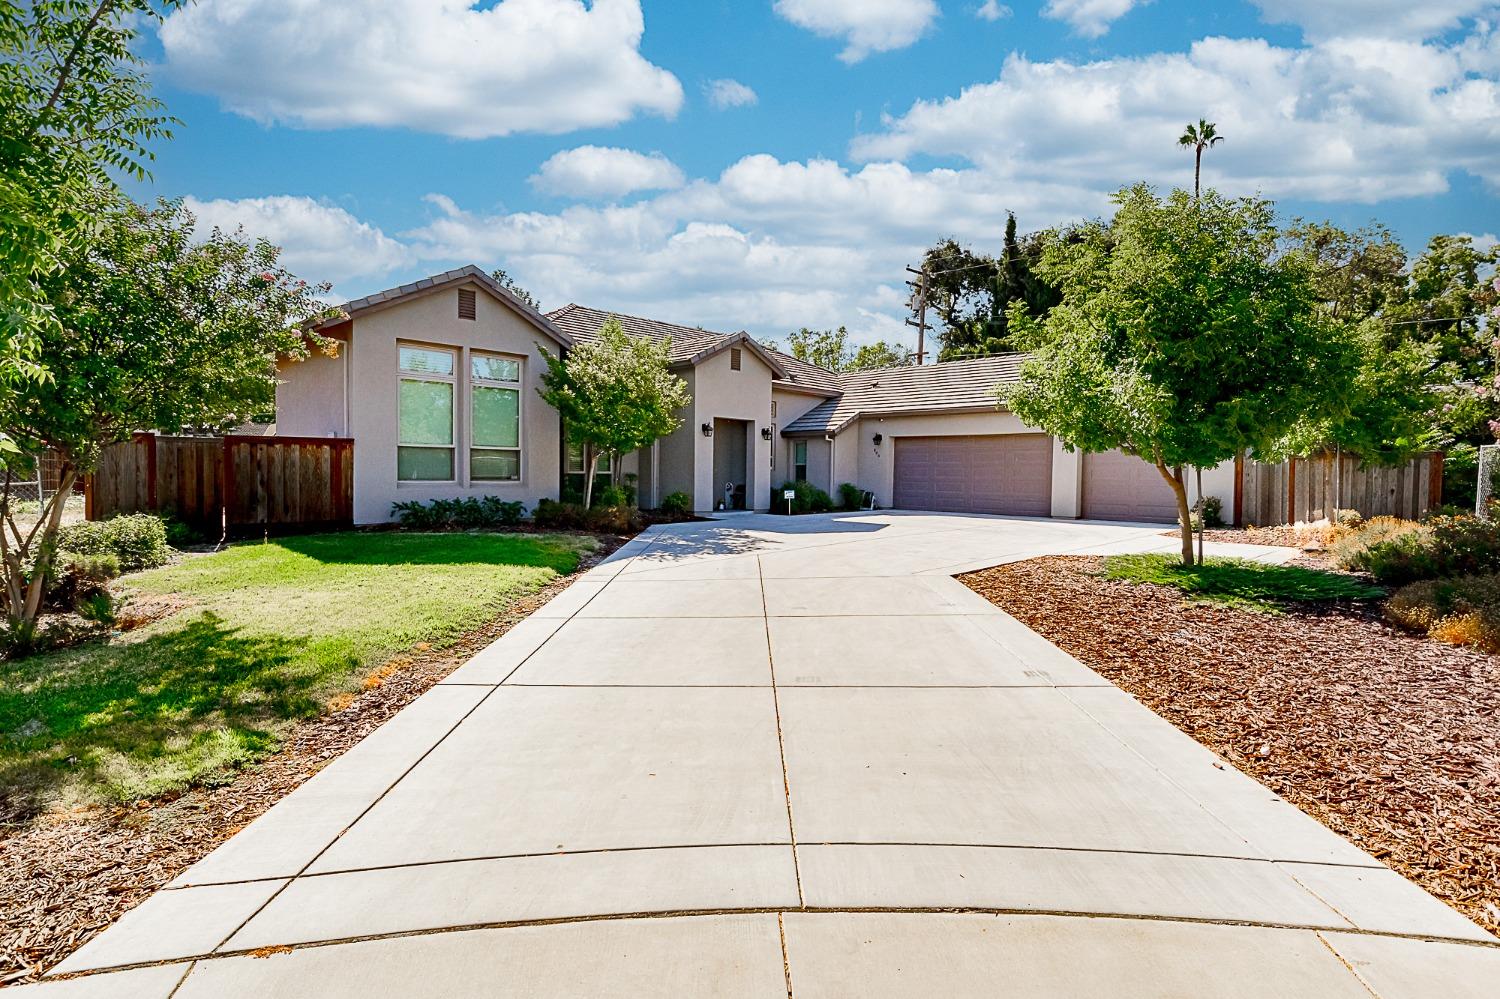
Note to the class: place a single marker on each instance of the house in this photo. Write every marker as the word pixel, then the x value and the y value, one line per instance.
pixel 437 384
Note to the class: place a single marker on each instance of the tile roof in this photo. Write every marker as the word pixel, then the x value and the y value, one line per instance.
pixel 967 384
pixel 689 344
pixel 801 374
pixel 468 272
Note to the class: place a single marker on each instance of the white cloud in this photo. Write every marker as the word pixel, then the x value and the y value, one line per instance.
pixel 1089 18
pixel 770 245
pixel 322 242
pixel 992 10
pixel 866 26
pixel 724 94
pixel 1321 19
pixel 446 66
pixel 605 172
pixel 1346 120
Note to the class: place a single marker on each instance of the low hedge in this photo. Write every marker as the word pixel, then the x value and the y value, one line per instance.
pixel 136 540
pixel 1397 552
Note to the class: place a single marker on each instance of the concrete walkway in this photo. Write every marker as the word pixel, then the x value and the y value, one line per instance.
pixel 767 757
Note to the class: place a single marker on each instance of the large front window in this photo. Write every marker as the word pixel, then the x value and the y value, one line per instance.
pixel 424 451
pixel 495 418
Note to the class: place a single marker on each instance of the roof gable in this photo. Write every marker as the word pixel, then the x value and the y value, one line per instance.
pixel 438 282
pixel 690 346
pixel 948 385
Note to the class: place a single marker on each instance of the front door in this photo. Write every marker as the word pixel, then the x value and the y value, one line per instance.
pixel 731 463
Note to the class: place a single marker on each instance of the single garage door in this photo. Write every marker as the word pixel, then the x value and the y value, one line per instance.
pixel 995 473
pixel 1120 486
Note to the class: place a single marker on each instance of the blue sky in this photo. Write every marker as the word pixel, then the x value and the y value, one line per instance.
pixel 769 164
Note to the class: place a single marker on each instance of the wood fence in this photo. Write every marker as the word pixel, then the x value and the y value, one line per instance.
pixel 1310 489
pixel 238 483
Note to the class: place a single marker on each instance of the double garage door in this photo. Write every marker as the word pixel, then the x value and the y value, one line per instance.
pixel 1012 474
pixel 996 473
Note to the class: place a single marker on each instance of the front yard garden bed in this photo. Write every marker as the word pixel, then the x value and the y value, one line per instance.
pixel 293 654
pixel 1390 739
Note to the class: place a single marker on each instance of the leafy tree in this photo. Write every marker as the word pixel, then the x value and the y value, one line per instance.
pixel 615 394
pixel 869 356
pixel 75 112
pixel 830 349
pixel 1204 135
pixel 155 329
pixel 972 293
pixel 1183 337
pixel 826 348
pixel 509 284
pixel 1360 281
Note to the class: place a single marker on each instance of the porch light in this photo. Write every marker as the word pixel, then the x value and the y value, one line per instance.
pixel 765 433
pixel 708 429
pixel 878 439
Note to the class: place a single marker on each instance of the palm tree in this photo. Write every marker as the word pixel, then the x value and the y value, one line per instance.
pixel 1204 135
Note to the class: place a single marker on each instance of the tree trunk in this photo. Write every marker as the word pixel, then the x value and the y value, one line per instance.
pixel 1202 512
pixel 1184 514
pixel 1197 172
pixel 590 459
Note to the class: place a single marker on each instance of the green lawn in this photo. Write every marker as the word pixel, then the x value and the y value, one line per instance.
pixel 1239 582
pixel 274 631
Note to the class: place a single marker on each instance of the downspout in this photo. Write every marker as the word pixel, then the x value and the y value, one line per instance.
pixel 829 438
pixel 348 361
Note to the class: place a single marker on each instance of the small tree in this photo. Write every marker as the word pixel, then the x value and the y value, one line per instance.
pixel 75 113
pixel 153 331
pixel 1183 337
pixel 615 394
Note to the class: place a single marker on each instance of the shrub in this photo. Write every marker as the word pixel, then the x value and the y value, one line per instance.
pixel 1400 552
pixel 77 578
pixel 809 499
pixel 1461 611
pixel 138 540
pixel 463 514
pixel 612 496
pixel 1348 518
pixel 1213 511
pixel 617 519
pixel 554 516
pixel 97 607
pixel 678 504
pixel 851 497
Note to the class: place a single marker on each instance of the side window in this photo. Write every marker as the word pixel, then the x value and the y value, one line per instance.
pixel 424 438
pixel 494 418
pixel 799 461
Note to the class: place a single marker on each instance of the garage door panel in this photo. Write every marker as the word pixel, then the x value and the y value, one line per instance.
pixel 999 473
pixel 1120 486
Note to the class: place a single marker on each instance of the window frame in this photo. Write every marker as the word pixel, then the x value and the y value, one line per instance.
pixel 799 461
pixel 451 380
pixel 475 383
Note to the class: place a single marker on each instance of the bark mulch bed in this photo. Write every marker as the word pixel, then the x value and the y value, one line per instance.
pixel 1389 739
pixel 69 876
pixel 1285 536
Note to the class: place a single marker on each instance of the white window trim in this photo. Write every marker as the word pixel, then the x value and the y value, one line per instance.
pixel 402 375
pixel 605 471
pixel 517 387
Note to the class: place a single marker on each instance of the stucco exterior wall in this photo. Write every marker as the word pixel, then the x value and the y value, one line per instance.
pixel 789 406
pixel 433 320
pixel 311 396
pixel 722 393
pixel 675 452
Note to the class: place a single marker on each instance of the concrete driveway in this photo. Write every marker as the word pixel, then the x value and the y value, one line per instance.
pixel 768 757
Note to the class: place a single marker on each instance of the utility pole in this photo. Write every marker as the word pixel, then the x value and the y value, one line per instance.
pixel 919 306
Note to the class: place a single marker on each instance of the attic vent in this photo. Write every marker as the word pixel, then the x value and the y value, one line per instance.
pixel 734 359
pixel 466 303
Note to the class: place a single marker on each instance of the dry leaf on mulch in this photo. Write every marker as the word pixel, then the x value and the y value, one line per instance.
pixel 1389 739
